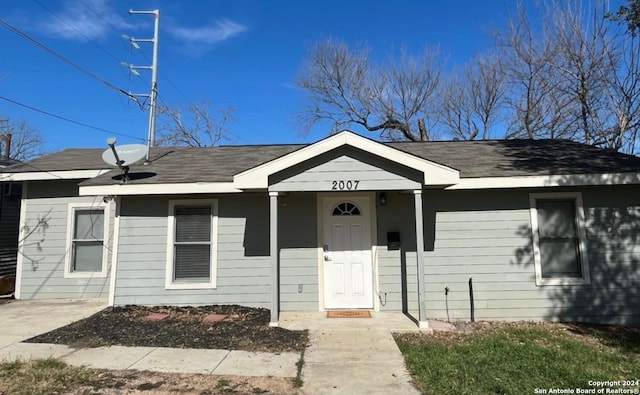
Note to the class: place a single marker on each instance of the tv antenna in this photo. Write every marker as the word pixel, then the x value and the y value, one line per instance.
pixel 124 156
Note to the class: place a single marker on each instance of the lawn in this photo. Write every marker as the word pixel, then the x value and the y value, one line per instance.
pixel 523 358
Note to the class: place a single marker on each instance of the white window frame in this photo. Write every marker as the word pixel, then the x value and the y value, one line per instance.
pixel 171 228
pixel 582 239
pixel 71 215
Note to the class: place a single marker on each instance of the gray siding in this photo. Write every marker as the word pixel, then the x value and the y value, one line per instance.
pixel 346 169
pixel 487 236
pixel 298 252
pixel 45 244
pixel 243 271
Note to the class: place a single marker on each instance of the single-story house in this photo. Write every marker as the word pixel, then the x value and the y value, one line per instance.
pixel 505 230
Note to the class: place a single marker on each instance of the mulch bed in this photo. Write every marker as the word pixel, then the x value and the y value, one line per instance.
pixel 243 328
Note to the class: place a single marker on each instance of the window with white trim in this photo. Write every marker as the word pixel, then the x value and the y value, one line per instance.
pixel 559 240
pixel 87 230
pixel 192 244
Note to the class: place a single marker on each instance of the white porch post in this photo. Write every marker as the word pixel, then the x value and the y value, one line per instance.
pixel 273 257
pixel 422 316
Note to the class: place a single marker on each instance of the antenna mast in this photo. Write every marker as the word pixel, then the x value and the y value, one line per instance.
pixel 154 75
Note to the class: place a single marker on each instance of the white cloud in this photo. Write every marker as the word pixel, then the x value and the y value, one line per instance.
pixel 79 21
pixel 219 30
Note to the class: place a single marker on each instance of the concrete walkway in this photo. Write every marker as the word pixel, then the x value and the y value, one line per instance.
pixel 160 359
pixel 20 320
pixel 353 355
pixel 345 355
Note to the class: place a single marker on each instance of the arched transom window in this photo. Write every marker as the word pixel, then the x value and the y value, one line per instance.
pixel 346 208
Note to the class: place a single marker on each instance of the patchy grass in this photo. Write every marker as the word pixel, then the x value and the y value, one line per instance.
pixel 42 376
pixel 51 376
pixel 518 358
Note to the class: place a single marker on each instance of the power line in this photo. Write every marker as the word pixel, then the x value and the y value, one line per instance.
pixel 70 120
pixel 63 58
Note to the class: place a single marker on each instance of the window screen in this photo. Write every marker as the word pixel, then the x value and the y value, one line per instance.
pixel 558 239
pixel 88 240
pixel 192 245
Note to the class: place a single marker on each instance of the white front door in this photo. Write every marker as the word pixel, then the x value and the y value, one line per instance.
pixel 347 264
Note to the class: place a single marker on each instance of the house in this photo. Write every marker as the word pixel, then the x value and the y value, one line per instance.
pixel 526 229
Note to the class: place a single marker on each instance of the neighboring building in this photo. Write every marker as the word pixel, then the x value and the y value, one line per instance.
pixel 546 229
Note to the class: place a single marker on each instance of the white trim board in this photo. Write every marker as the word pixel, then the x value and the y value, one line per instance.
pixel 52 175
pixel 22 232
pixel 546 181
pixel 158 189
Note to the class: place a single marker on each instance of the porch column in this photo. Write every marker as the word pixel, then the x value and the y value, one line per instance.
pixel 273 257
pixel 422 316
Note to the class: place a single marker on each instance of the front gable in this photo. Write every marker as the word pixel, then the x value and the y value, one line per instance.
pixel 346 169
pixel 276 171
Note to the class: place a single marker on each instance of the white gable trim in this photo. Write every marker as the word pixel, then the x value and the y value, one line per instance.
pixel 434 173
pixel 52 175
pixel 547 181
pixel 158 189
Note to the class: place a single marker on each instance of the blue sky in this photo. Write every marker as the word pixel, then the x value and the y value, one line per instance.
pixel 243 53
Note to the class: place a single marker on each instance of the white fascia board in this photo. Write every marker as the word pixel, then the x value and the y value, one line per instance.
pixel 257 177
pixel 52 175
pixel 547 181
pixel 158 189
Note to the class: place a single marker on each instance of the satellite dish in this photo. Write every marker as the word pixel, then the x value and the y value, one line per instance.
pixel 124 155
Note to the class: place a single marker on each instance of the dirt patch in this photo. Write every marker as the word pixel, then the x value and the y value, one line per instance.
pixel 625 337
pixel 108 382
pixel 244 328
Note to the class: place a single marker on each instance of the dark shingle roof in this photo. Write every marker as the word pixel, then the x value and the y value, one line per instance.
pixel 497 158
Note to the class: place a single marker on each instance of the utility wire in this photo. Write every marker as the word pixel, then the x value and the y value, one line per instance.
pixel 70 120
pixel 63 58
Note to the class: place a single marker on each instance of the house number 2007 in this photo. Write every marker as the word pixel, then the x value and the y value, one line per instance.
pixel 348 185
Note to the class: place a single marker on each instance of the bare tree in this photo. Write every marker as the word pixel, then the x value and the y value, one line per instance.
pixel 526 56
pixel 346 87
pixel 26 141
pixel 623 96
pixel 198 128
pixel 471 99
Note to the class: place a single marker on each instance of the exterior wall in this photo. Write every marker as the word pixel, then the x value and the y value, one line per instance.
pixel 44 246
pixel 243 270
pixel 397 281
pixel 487 236
pixel 298 252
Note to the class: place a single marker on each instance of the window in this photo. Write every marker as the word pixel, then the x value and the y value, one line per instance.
pixel 87 228
pixel 559 241
pixel 191 244
pixel 345 208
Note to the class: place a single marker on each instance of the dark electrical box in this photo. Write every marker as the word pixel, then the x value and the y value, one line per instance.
pixel 393 241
